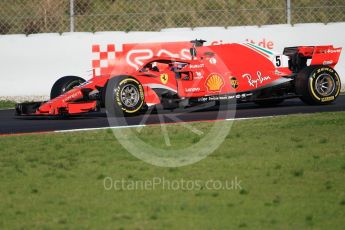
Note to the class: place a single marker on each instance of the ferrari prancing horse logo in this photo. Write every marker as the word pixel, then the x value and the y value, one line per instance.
pixel 164 78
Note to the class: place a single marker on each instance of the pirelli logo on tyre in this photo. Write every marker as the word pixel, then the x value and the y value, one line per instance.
pixel 331 98
pixel 325 69
pixel 117 95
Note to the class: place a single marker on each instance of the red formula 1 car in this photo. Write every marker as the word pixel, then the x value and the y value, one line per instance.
pixel 221 73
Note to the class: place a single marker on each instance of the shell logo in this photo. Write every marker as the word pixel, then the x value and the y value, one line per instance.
pixel 214 82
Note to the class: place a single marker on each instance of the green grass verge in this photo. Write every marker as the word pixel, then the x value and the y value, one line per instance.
pixel 292 172
pixel 7 104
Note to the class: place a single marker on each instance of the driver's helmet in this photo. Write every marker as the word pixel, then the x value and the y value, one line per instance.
pixel 154 67
pixel 175 66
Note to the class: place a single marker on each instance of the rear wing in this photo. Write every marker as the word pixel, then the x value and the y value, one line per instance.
pixel 318 55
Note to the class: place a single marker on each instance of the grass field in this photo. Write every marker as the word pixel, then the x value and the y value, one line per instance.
pixel 291 170
pixel 7 104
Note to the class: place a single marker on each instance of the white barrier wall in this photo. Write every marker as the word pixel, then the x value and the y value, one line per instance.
pixel 29 65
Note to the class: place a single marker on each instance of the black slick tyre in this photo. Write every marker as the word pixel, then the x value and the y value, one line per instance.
pixel 318 85
pixel 124 96
pixel 65 84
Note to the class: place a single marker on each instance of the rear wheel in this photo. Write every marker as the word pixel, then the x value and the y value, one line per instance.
pixel 318 85
pixel 124 96
pixel 64 85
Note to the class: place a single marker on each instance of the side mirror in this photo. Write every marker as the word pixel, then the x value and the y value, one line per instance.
pixel 192 52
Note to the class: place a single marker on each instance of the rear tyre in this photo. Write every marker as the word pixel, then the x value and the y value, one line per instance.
pixel 64 85
pixel 269 102
pixel 318 85
pixel 124 96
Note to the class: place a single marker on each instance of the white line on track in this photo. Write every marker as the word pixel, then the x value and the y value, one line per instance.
pixel 252 118
pixel 137 126
pixel 99 128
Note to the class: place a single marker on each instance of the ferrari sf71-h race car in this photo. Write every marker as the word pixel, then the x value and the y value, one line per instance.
pixel 221 73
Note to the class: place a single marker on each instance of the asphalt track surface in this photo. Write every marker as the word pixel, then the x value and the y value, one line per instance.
pixel 11 124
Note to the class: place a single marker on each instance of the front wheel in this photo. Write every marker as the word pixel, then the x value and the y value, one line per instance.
pixel 318 85
pixel 124 96
pixel 65 84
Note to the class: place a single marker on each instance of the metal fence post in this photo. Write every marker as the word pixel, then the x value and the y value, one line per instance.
pixel 288 11
pixel 71 15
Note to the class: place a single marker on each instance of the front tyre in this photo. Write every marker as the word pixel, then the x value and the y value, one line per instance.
pixel 124 96
pixel 318 85
pixel 65 84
